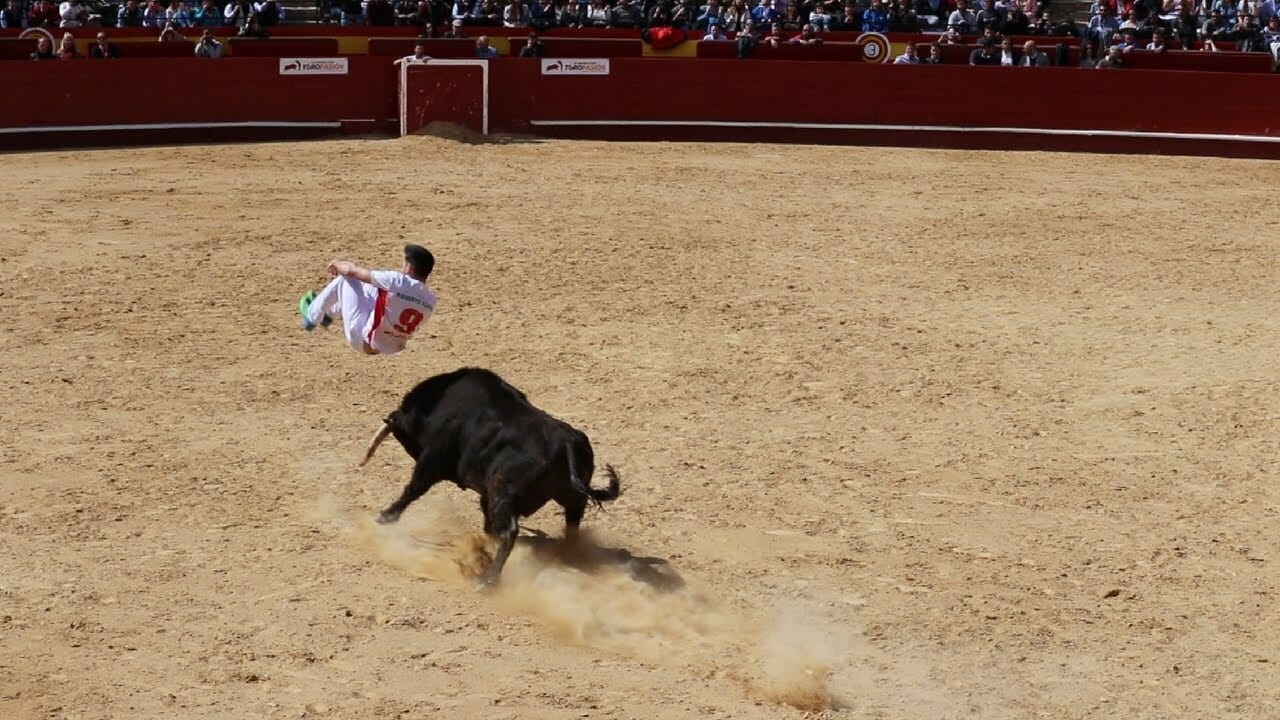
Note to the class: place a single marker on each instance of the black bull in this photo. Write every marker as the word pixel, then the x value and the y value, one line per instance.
pixel 471 427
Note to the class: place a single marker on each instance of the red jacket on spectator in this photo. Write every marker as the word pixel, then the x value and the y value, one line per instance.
pixel 44 14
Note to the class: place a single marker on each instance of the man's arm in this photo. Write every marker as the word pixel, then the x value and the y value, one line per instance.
pixel 350 269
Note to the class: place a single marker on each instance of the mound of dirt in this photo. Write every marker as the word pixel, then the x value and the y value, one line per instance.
pixel 463 134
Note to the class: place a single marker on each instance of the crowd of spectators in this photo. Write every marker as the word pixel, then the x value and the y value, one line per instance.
pixel 1113 28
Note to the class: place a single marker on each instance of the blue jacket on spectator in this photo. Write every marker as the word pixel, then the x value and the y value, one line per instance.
pixel 10 18
pixel 710 16
pixel 764 14
pixel 875 20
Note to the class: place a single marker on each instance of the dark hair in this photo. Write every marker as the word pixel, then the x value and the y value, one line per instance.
pixel 420 260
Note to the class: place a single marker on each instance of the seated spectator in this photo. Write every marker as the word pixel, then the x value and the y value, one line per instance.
pixel 951 36
pixel 178 14
pixel 988 16
pixel 1067 28
pixel 735 17
pixel 626 15
pixel 709 16
pixel 902 18
pixel 153 15
pixel 875 19
pixel 208 47
pixel 984 54
pixel 11 16
pixel 931 13
pixel 455 30
pixel 684 15
pixel 72 14
pixel 570 14
pixel 103 49
pixel 208 14
pixel 484 50
pixel 1032 57
pixel 405 11
pixel 1247 35
pixel 1215 27
pixel 1187 28
pixel 1043 25
pixel 67 49
pixel 1008 56
pixel 235 12
pixel 271 13
pixel 1271 40
pixel 713 33
pixel 774 38
pixel 170 34
pixel 1088 56
pixel 1015 22
pixel 935 54
pixel 764 14
pixel 849 19
pixel 790 19
pixel 486 13
pixel 659 17
pixel 533 47
pixel 1266 10
pixel 252 28
pixel 1102 26
pixel 1112 60
pixel 44 49
pixel 516 15
pixel 807 36
pixel 908 56
pixel 542 14
pixel 1125 41
pixel 820 17
pixel 44 14
pixel 1157 43
pixel 962 19
pixel 747 40
pixel 1230 10
pixel 597 15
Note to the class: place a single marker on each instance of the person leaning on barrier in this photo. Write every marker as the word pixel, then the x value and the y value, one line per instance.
pixel 208 47
pixel 484 50
pixel 908 56
pixel 44 50
pixel 984 54
pixel 103 49
pixel 747 40
pixel 533 47
pixel 1032 57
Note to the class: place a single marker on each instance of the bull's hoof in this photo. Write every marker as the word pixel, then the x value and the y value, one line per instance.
pixel 486 584
pixel 386 518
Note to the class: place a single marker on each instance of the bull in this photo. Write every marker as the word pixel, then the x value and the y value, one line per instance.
pixel 471 427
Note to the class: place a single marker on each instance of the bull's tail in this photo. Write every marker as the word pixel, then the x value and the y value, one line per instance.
pixel 597 497
pixel 377 440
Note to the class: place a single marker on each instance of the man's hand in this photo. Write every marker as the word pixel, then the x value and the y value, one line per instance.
pixel 350 269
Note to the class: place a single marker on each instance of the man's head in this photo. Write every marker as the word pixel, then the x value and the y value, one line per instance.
pixel 419 49
pixel 1029 48
pixel 418 261
pixel 102 37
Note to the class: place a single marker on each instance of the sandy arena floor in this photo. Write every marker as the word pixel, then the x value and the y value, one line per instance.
pixel 903 434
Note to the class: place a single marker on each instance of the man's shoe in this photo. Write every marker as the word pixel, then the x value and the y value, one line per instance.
pixel 303 305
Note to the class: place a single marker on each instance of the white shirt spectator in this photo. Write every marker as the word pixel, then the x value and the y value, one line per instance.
pixel 178 15
pixel 516 15
pixel 713 33
pixel 257 7
pixel 70 14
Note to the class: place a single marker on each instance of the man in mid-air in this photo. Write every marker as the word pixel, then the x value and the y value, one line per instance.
pixel 380 309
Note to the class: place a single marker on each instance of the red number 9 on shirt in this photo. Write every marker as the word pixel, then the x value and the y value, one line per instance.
pixel 408 322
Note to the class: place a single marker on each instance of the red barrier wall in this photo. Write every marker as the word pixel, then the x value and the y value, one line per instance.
pixel 1050 108
pixel 1120 111
pixel 251 92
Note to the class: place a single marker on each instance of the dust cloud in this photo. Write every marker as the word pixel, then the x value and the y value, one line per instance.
pixel 593 594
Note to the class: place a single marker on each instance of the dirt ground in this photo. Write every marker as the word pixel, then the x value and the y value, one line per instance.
pixel 902 434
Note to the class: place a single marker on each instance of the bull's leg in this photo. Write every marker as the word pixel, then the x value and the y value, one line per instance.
pixel 573 512
pixel 424 476
pixel 500 520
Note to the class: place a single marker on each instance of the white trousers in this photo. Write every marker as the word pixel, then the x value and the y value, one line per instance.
pixel 351 300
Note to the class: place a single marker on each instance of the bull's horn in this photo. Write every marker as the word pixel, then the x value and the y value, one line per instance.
pixel 377 440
